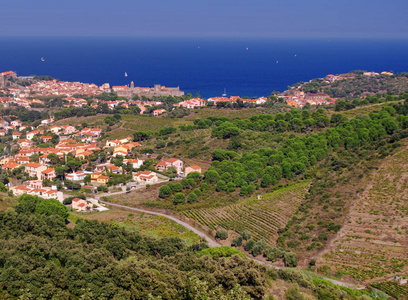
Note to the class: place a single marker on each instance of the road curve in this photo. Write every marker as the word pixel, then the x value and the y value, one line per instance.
pixel 213 243
pixel 201 234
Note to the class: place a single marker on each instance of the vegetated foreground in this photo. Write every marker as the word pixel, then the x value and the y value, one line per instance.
pixel 373 242
pixel 262 217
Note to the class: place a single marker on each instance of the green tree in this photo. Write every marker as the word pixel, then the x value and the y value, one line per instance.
pixel 179 198
pixel 221 234
pixel 192 197
pixel 165 191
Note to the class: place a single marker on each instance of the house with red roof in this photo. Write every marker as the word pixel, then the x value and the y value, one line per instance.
pixel 34 169
pixel 164 165
pixel 48 174
pixel 146 177
pixel 192 169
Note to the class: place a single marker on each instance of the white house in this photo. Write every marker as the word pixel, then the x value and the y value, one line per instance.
pixel 78 176
pixel 145 177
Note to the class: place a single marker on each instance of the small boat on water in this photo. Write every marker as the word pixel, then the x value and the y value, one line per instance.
pixel 42 59
pixel 126 74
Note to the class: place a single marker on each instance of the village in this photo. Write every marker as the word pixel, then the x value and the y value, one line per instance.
pixel 52 161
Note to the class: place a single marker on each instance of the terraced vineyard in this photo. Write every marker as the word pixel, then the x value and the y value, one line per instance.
pixel 262 217
pixel 392 288
pixel 374 241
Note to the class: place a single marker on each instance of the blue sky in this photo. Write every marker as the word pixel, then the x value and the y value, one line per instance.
pixel 202 18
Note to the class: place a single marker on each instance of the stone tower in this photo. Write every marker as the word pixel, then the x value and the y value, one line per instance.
pixel 132 84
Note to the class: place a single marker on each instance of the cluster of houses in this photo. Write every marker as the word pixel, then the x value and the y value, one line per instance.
pixel 234 99
pixel 79 144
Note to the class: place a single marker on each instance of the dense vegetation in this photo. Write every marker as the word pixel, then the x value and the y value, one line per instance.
pixel 42 258
pixel 360 85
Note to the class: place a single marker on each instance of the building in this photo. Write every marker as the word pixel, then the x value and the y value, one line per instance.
pixel 80 204
pixel 164 165
pixel 157 112
pixel 146 177
pixel 192 169
pixel 157 90
pixel 34 169
pixel 136 163
pixel 78 176
pixel 48 174
pixel 102 180
pixel 5 76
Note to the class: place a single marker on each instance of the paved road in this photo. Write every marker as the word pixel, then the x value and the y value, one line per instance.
pixel 201 234
pixel 213 243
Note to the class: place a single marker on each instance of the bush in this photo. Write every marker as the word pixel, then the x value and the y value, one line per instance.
pixel 237 242
pixel 290 259
pixel 197 192
pixel 192 197
pixel 204 187
pixel 246 235
pixel 223 251
pixel 221 234
pixel 256 250
pixel 179 198
pixel 249 245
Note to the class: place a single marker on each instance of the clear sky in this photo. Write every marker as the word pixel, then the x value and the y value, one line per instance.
pixel 202 18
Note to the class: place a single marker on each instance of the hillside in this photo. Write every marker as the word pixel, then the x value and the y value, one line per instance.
pixel 356 85
pixel 373 242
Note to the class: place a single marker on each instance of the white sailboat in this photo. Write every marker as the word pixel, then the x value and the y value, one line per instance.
pixel 42 59
pixel 126 74
pixel 225 93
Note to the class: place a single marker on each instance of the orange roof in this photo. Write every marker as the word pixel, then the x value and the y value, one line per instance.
pixel 49 170
pixel 195 167
pixel 33 165
pixel 76 199
pixel 103 177
pixel 11 165
pixel 172 160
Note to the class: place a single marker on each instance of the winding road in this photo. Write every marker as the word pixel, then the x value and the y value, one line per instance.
pixel 213 243
pixel 201 234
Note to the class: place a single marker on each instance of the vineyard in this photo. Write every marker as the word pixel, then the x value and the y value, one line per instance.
pixel 373 242
pixel 262 217
pixel 392 288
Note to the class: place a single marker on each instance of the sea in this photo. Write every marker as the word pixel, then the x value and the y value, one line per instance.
pixel 251 67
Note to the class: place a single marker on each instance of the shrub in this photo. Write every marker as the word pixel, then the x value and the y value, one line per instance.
pixel 246 235
pixel 204 187
pixel 221 234
pixel 223 251
pixel 256 250
pixel 290 259
pixel 177 187
pixel 237 242
pixel 221 186
pixel 192 197
pixel 179 198
pixel 249 245
pixel 197 191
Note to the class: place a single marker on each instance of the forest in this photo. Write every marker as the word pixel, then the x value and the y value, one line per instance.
pixel 43 258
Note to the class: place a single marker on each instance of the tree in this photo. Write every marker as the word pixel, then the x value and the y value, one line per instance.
pixel 221 186
pixel 50 207
pixel 179 198
pixel 246 235
pixel 211 176
pixel 54 159
pixel 237 242
pixel 221 234
pixel 192 197
pixel 290 259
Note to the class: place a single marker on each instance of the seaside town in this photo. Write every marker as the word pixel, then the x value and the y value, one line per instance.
pixel 48 160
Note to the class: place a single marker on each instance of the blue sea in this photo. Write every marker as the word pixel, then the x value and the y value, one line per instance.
pixel 242 66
